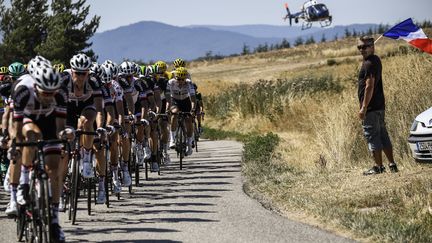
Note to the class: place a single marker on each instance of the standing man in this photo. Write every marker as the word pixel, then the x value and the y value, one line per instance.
pixel 372 107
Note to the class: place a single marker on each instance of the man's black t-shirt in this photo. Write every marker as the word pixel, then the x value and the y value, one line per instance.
pixel 372 67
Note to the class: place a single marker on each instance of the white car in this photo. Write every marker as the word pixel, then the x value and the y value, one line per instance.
pixel 420 139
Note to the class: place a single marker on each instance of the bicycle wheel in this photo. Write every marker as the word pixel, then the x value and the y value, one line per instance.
pixel 21 222
pixel 45 209
pixel 181 138
pixel 107 173
pixel 89 185
pixel 74 190
pixel 135 164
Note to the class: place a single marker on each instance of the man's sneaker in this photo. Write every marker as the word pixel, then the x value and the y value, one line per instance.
pixel 23 194
pixel 87 170
pixel 127 180
pixel 147 152
pixel 189 150
pixel 62 204
pixel 375 170
pixel 12 209
pixel 117 186
pixel 154 167
pixel 172 144
pixel 166 158
pixel 6 184
pixel 57 233
pixel 101 196
pixel 393 168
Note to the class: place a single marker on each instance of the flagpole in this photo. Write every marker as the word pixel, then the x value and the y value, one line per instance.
pixel 378 39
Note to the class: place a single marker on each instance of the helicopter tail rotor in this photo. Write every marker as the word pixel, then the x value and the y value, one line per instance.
pixel 288 14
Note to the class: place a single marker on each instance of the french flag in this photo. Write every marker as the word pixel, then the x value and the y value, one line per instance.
pixel 412 34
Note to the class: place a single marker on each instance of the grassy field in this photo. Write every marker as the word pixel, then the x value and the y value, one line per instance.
pixel 307 98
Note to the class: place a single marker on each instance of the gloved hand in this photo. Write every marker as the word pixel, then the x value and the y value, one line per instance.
pixel 102 133
pixel 111 129
pixel 13 154
pixel 3 142
pixel 145 122
pixel 67 133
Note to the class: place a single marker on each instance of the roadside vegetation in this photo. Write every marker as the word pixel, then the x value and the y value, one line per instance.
pixel 307 152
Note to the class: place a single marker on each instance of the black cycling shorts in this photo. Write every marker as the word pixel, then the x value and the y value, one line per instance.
pixel 74 111
pixel 183 105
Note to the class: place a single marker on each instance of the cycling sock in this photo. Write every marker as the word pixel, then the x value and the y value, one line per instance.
pixel 101 183
pixel 13 192
pixel 114 170
pixel 25 175
pixel 165 148
pixel 54 216
pixel 189 140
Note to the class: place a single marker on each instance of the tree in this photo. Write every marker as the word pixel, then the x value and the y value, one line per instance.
pixel 68 31
pixel 298 41
pixel 347 33
pixel 246 49
pixel 285 43
pixel 323 38
pixel 24 28
pixel 310 40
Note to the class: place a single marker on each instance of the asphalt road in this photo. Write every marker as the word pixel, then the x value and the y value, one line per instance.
pixel 204 202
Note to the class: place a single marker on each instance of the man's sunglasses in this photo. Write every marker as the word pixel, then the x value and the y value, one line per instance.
pixel 80 73
pixel 363 47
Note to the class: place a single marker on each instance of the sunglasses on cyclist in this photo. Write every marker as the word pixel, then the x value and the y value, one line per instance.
pixel 78 73
pixel 44 93
pixel 363 47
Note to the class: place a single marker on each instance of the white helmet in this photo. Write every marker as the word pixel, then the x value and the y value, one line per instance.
pixel 37 62
pixel 106 74
pixel 80 62
pixel 112 66
pixel 47 78
pixel 95 69
pixel 127 68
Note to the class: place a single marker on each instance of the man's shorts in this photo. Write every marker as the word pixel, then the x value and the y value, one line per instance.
pixel 74 111
pixel 375 131
pixel 48 128
pixel 183 105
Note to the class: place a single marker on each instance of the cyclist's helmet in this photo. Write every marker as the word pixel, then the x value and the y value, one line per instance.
pixel 37 62
pixel 105 74
pixel 137 69
pixel 80 62
pixel 4 70
pixel 127 68
pixel 16 69
pixel 181 73
pixel 179 63
pixel 47 78
pixel 113 68
pixel 59 67
pixel 162 67
pixel 95 69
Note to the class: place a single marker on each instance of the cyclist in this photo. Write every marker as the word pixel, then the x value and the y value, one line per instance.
pixel 15 70
pixel 135 94
pixel 40 113
pixel 181 97
pixel 158 83
pixel 84 106
pixel 179 63
pixel 110 78
pixel 199 108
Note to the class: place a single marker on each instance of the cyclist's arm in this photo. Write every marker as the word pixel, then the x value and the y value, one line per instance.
pixel 130 104
pixel 110 113
pixel 20 98
pixel 98 102
pixel 61 109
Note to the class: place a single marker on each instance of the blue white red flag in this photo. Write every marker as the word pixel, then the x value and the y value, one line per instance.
pixel 412 34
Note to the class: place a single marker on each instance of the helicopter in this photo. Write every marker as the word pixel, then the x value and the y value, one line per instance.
pixel 310 12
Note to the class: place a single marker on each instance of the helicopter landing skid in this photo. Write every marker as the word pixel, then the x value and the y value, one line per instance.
pixel 325 23
pixel 306 25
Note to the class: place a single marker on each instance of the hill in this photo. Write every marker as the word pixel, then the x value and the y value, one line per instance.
pixel 149 40
pixel 152 40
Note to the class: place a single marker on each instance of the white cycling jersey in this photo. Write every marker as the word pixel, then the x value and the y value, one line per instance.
pixel 178 92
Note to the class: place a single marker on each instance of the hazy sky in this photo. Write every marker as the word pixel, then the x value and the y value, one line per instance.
pixel 117 13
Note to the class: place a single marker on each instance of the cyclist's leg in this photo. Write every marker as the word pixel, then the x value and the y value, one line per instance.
pixel 125 144
pixel 174 111
pixel 99 154
pixel 85 122
pixel 114 157
pixel 154 147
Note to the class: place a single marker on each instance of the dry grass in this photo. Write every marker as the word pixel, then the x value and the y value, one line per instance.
pixel 322 150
